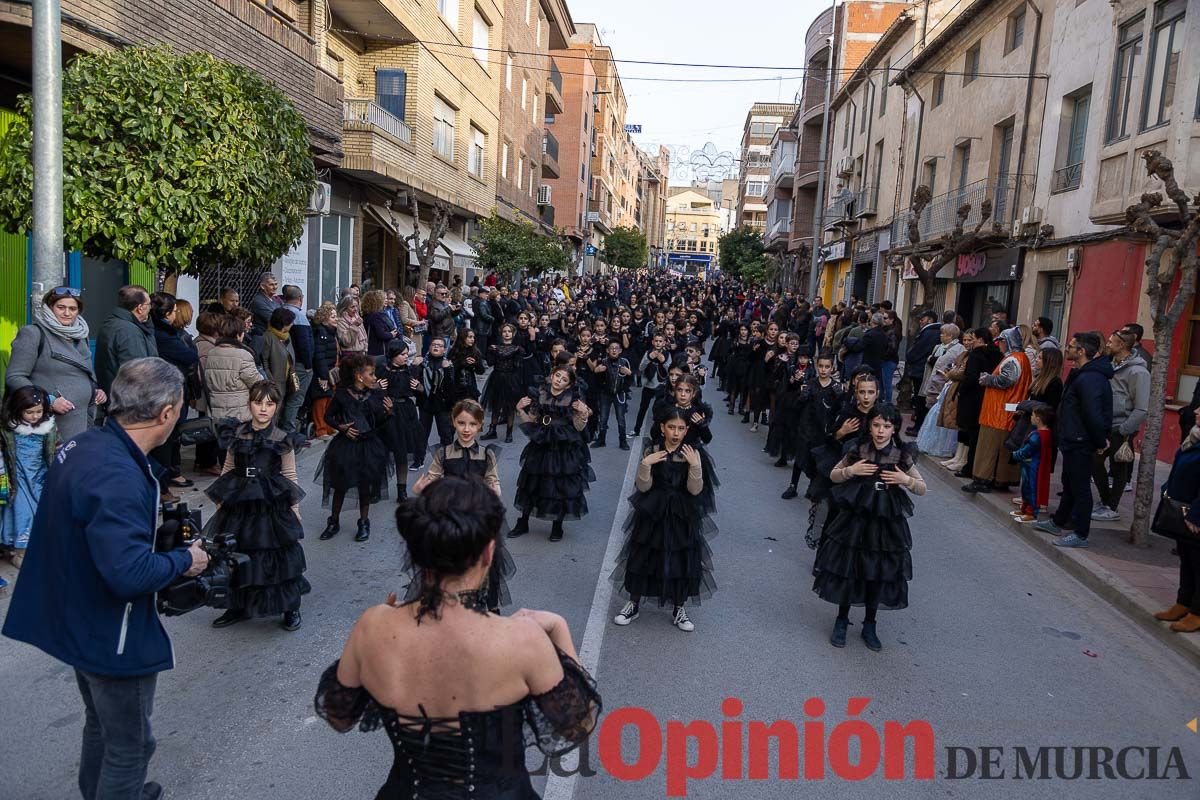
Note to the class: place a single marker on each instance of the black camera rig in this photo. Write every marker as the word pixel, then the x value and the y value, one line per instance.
pixel 215 586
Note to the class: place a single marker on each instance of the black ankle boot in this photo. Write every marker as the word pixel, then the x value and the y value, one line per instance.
pixel 838 637
pixel 556 531
pixel 745 417
pixel 868 635
pixel 230 617
pixel 508 437
pixel 491 434
pixel 331 529
pixel 790 492
pixel 364 530
pixel 520 529
pixel 401 492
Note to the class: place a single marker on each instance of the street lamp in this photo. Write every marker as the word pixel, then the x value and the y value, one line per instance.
pixel 47 147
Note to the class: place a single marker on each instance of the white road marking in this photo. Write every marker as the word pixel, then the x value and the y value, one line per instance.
pixel 557 786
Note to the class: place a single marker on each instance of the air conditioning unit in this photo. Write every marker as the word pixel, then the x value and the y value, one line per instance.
pixel 543 196
pixel 318 201
pixel 1031 215
pixel 845 166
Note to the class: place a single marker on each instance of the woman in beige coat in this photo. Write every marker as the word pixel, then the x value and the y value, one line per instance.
pixel 229 373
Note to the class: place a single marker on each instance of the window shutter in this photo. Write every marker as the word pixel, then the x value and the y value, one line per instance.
pixel 390 86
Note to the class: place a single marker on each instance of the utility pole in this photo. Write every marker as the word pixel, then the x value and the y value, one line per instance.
pixel 819 211
pixel 47 147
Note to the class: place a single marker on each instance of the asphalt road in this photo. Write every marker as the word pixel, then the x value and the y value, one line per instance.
pixel 997 648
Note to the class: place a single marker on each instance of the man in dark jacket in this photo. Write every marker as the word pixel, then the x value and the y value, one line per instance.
pixel 441 316
pixel 86 594
pixel 263 303
pixel 872 344
pixel 484 320
pixel 124 336
pixel 915 362
pixel 301 334
pixel 1084 420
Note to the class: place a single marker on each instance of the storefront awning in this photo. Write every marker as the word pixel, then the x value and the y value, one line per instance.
pixel 399 225
pixel 458 246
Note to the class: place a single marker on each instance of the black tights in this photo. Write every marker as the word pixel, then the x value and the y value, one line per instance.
pixel 872 604
pixel 508 420
pixel 339 497
pixel 401 461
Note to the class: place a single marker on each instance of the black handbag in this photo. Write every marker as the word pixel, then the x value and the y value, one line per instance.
pixel 201 430
pixel 1171 519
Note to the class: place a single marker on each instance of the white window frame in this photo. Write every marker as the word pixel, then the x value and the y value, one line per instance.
pixel 444 119
pixel 535 105
pixel 449 11
pixel 521 172
pixel 481 50
pixel 477 152
pixel 538 34
pixel 524 92
pixel 528 10
pixel 508 69
pixel 504 160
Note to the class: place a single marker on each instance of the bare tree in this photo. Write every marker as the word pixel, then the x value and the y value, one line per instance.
pixel 427 247
pixel 1171 263
pixel 928 260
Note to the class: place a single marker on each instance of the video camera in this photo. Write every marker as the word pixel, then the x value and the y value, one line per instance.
pixel 215 586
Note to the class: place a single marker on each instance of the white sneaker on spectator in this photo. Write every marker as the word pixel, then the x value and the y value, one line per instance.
pixel 1129 486
pixel 1105 513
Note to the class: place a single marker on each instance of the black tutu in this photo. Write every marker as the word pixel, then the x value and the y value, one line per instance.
pixel 555 472
pixel 864 550
pixel 360 467
pixel 666 555
pixel 257 510
pixel 403 433
pixel 783 437
pixel 504 390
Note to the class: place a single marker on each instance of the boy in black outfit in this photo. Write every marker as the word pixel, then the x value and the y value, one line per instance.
pixel 613 377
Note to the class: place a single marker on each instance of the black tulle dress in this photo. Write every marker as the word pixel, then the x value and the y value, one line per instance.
pixel 666 554
pixel 401 430
pixel 360 466
pixel 698 434
pixel 477 461
pixel 256 501
pixel 506 385
pixel 863 557
pixel 476 755
pixel 556 463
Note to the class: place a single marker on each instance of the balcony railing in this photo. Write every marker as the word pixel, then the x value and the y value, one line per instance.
pixel 368 112
pixel 939 216
pixel 839 210
pixel 555 76
pixel 866 201
pixel 781 227
pixel 550 145
pixel 783 161
pixel 1067 178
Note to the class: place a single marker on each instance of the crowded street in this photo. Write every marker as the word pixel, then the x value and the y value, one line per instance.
pixel 998 647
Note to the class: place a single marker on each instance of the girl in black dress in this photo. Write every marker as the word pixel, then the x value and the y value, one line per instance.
pixel 258 501
pixel 864 558
pixel 505 385
pixel 437 392
pixel 465 457
pixel 737 369
pixel 461 692
pixel 761 365
pixel 789 373
pixel 468 364
pixel 556 463
pixel 862 396
pixel 819 403
pixel 665 554
pixel 356 461
pixel 402 432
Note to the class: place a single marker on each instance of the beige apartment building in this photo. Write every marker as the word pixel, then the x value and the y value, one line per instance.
pixel 653 170
pixel 693 231
pixel 531 96
pixel 754 175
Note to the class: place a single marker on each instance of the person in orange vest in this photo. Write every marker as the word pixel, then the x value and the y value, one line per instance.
pixel 1003 389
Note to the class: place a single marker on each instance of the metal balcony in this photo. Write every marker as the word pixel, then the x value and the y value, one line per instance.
pixel 554 91
pixel 1067 178
pixel 368 115
pixel 550 168
pixel 866 201
pixel 938 218
pixel 839 211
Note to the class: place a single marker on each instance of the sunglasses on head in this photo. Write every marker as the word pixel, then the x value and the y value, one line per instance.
pixel 67 291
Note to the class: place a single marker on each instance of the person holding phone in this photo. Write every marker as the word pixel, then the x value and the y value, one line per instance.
pixel 863 558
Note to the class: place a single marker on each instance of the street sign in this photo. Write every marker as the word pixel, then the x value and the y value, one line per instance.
pixel 633 128
pixel 591 250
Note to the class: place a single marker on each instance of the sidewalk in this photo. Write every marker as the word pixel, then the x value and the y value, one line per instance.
pixel 1138 580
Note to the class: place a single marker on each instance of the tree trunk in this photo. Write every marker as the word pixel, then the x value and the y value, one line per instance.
pixel 1145 489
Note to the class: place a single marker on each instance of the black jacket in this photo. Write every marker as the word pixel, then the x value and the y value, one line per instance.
pixel 980 361
pixel 873 345
pixel 325 355
pixel 1085 413
pixel 920 350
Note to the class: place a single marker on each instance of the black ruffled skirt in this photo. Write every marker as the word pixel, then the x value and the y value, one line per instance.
pixel 503 391
pixel 555 472
pixel 258 512
pixel 402 433
pixel 359 467
pixel 864 555
pixel 783 438
pixel 666 556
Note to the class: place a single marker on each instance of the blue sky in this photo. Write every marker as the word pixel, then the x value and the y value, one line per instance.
pixel 684 116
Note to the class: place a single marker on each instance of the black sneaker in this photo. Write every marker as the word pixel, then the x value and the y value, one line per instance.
pixel 520 529
pixel 789 493
pixel 291 620
pixel 331 529
pixel 636 433
pixel 596 445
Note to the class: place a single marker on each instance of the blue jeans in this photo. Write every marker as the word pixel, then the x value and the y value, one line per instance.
pixel 888 368
pixel 117 743
pixel 295 400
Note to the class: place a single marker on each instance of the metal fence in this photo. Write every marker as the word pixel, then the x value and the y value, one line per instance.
pixel 550 145
pixel 368 112
pixel 1067 178
pixel 940 215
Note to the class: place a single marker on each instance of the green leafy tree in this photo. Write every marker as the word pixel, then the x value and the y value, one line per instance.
pixel 173 162
pixel 743 255
pixel 515 248
pixel 625 248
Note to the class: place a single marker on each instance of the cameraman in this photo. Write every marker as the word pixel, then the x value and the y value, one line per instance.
pixel 86 593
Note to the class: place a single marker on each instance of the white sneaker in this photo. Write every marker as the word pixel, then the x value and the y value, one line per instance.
pixel 1129 486
pixel 1105 513
pixel 1018 501
pixel 754 427
pixel 628 614
pixel 682 622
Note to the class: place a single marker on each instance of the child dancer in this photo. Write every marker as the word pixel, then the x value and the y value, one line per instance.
pixel 819 402
pixel 356 460
pixel 258 501
pixel 863 558
pixel 1036 457
pixel 468 364
pixel 437 386
pixel 504 387
pixel 402 432
pixel 465 457
pixel 555 464
pixel 30 441
pixel 665 556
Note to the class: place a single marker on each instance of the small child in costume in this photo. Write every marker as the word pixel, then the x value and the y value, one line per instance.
pixel 1036 457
